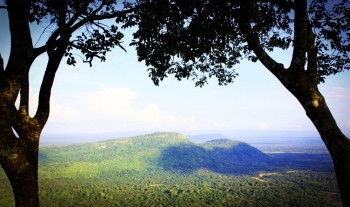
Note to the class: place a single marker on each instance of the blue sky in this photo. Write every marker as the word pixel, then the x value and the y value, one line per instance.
pixel 118 96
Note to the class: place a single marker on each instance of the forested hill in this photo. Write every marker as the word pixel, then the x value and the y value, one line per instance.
pixel 165 151
pixel 166 169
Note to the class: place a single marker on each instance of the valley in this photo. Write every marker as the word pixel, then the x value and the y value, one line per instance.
pixel 167 169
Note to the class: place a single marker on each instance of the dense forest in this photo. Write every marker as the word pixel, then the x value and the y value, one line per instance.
pixel 166 169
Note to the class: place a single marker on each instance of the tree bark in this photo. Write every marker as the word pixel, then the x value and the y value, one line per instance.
pixel 336 142
pixel 19 155
pixel 19 151
pixel 302 83
pixel 23 175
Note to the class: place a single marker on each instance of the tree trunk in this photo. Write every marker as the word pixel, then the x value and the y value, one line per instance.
pixel 336 142
pixel 24 181
pixel 301 79
pixel 19 159
pixel 19 151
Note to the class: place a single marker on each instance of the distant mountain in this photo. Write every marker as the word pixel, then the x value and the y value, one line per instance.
pixel 222 156
pixel 162 151
pixel 168 169
pixel 205 137
pixel 231 153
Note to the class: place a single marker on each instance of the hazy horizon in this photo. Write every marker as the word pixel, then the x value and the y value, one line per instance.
pixel 248 136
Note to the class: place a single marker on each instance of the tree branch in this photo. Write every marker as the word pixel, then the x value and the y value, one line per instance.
pixel 21 53
pixel 24 103
pixel 21 41
pixel 87 19
pixel 76 16
pixel 43 110
pixel 94 17
pixel 53 38
pixel 2 69
pixel 55 53
pixel 109 16
pixel 90 52
pixel 100 25
pixel 311 51
pixel 253 40
pixel 38 51
pixel 69 28
pixel 56 49
pixel 284 3
pixel 300 35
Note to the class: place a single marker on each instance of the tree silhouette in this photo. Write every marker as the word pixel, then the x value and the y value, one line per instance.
pixel 78 26
pixel 193 39
pixel 198 39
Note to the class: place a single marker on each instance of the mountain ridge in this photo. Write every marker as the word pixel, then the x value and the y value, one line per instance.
pixel 168 169
pixel 162 151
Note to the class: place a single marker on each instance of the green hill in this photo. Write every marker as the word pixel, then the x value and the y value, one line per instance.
pixel 167 151
pixel 222 156
pixel 134 153
pixel 166 169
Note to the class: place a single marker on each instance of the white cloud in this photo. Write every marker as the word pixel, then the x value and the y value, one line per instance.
pixel 150 114
pixel 338 92
pixel 115 109
pixel 59 112
pixel 117 104
pixel 189 120
pixel 107 102
pixel 122 109
pixel 264 125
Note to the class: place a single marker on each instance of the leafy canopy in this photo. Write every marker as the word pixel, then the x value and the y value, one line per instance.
pixel 83 19
pixel 198 39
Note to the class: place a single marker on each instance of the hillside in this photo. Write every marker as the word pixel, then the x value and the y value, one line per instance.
pixel 168 151
pixel 222 156
pixel 166 169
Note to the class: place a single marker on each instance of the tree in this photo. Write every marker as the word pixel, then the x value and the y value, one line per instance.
pixel 198 39
pixel 78 26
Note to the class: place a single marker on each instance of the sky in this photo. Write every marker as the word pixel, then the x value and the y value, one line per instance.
pixel 118 96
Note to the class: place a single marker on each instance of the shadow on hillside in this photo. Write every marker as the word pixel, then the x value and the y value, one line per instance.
pixel 241 159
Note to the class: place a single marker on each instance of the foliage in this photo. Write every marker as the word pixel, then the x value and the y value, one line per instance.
pixel 222 156
pixel 93 36
pixel 199 39
pixel 330 21
pixel 168 151
pixel 202 188
pixel 127 172
pixel 95 40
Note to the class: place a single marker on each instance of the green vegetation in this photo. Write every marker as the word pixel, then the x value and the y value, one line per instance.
pixel 222 155
pixel 166 169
